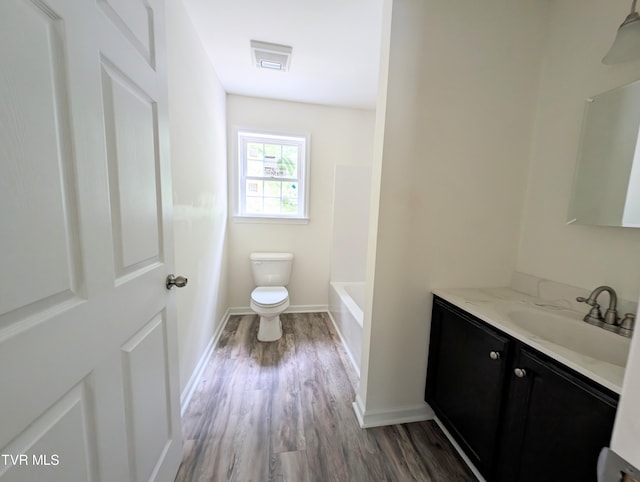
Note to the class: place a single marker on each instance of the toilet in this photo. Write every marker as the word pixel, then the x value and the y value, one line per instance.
pixel 271 273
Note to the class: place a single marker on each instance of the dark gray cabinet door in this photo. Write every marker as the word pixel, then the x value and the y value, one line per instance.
pixel 556 422
pixel 465 376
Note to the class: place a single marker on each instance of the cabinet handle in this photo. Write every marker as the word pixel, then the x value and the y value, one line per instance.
pixel 520 372
pixel 495 355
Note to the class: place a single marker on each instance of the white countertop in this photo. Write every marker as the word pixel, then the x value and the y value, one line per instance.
pixel 492 305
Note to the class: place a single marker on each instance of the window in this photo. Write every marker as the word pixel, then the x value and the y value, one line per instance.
pixel 272 176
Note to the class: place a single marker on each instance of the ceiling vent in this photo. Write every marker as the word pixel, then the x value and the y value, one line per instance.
pixel 270 56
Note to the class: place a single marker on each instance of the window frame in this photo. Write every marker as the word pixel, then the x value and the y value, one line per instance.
pixel 242 136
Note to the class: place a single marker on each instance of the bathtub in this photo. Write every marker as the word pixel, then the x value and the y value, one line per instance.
pixel 345 307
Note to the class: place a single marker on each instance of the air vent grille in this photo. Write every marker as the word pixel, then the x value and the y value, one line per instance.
pixel 271 56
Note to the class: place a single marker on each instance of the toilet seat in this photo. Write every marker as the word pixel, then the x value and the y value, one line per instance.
pixel 269 296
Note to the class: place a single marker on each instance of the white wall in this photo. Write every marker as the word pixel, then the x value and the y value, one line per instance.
pixel 350 233
pixel 580 34
pixel 338 136
pixel 586 256
pixel 459 114
pixel 199 168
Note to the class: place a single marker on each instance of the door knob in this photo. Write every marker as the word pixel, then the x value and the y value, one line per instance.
pixel 178 281
pixel 520 372
pixel 494 355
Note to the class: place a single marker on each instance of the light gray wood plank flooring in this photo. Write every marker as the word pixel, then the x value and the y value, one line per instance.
pixel 282 412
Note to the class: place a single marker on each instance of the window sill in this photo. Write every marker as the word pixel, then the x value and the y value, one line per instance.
pixel 268 220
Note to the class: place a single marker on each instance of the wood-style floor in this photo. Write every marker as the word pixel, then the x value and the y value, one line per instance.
pixel 282 411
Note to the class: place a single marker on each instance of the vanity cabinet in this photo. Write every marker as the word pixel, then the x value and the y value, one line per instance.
pixel 518 415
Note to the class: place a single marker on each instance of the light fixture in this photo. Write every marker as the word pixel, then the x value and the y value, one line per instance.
pixel 626 46
pixel 270 56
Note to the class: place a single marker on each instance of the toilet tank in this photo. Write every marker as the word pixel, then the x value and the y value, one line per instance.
pixel 271 269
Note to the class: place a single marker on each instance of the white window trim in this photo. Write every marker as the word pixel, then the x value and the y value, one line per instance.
pixel 236 168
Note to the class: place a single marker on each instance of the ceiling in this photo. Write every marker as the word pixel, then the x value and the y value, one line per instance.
pixel 336 45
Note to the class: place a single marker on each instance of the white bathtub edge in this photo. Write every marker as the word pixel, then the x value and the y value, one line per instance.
pixel 351 305
pixel 348 326
pixel 344 344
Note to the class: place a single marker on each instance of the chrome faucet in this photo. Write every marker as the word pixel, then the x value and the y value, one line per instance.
pixel 610 319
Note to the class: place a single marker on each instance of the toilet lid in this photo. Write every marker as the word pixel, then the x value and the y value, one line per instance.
pixel 269 295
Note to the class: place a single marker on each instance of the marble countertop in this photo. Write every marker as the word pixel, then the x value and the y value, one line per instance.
pixel 492 305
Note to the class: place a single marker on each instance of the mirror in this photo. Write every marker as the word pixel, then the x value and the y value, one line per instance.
pixel 606 188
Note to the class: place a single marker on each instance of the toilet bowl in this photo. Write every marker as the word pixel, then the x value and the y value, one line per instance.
pixel 270 298
pixel 268 303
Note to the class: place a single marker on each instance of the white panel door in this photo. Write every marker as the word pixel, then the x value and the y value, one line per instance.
pixel 88 355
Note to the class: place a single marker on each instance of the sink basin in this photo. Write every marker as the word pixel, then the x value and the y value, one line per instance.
pixel 573 334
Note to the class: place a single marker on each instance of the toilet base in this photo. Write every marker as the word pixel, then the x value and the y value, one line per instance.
pixel 270 328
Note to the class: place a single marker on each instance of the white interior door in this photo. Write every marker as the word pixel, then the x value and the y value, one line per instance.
pixel 88 357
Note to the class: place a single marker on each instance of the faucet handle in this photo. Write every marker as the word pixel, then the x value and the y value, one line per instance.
pixel 626 325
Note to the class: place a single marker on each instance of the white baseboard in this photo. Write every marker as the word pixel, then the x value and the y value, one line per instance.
pixel 240 310
pixel 344 344
pixel 393 416
pixel 245 310
pixel 460 451
pixel 190 387
pixel 307 309
pixel 358 408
